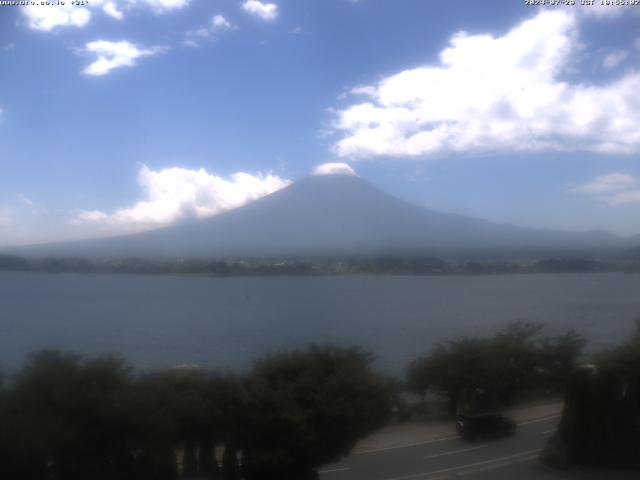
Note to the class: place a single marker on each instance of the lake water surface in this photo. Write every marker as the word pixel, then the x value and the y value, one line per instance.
pixel 160 321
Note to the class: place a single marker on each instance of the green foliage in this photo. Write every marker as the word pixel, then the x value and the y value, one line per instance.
pixel 557 359
pixel 66 418
pixel 486 373
pixel 599 426
pixel 190 410
pixel 307 408
pixel 69 416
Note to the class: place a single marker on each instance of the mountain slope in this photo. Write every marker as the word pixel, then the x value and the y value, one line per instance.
pixel 333 214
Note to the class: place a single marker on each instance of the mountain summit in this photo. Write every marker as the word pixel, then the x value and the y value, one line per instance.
pixel 333 215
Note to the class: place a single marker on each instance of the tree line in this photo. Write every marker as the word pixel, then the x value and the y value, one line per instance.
pixel 63 417
pixel 485 373
pixel 600 423
pixel 391 265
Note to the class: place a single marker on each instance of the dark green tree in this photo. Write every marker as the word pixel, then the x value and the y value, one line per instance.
pixel 308 408
pixel 599 425
pixel 557 359
pixel 70 418
pixel 487 373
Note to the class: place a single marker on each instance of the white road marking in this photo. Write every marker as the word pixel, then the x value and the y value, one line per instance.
pixel 462 467
pixel 453 452
pixel 547 432
pixel 528 459
pixel 486 468
pixel 537 420
pixel 407 445
pixel 443 439
pixel 333 470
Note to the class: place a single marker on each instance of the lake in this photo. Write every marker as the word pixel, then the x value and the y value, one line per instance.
pixel 161 321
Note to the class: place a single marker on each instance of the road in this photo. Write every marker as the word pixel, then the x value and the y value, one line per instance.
pixel 514 457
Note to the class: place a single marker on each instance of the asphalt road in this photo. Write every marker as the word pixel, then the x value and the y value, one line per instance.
pixel 514 457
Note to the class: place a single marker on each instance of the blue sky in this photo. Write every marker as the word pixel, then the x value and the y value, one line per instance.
pixel 125 115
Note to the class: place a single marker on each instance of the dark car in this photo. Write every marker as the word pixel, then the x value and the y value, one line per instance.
pixel 473 427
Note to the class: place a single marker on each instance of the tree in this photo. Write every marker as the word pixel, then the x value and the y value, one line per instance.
pixel 308 408
pixel 486 373
pixel 191 410
pixel 69 418
pixel 557 359
pixel 453 370
pixel 599 424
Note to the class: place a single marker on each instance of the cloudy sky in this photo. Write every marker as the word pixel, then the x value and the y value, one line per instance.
pixel 124 115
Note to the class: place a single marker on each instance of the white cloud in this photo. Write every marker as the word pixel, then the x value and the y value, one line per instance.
pixel 265 11
pixel 334 169
pixel 218 23
pixel 613 182
pixel 48 17
pixel 492 93
pixel 614 188
pixel 25 200
pixel 190 43
pixel 173 194
pixel 9 47
pixel 112 55
pixel 613 59
pixel 111 9
pixel 166 5
pixel 89 216
pixel 367 90
pixel 631 196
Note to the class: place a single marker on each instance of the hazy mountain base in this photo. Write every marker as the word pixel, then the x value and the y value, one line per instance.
pixel 338 216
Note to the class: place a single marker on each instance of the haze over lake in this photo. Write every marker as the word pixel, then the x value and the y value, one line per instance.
pixel 227 322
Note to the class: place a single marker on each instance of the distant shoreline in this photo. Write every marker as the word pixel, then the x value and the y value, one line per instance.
pixel 394 266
